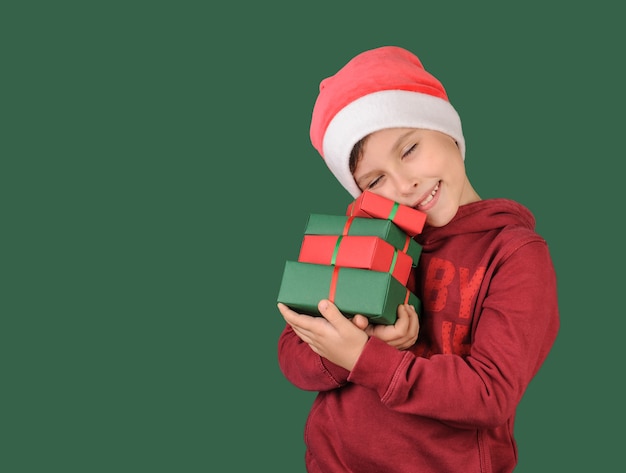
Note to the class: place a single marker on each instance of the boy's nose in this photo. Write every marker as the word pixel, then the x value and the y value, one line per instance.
pixel 407 185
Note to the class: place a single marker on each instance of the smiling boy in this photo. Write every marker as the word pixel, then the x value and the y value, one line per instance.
pixel 437 391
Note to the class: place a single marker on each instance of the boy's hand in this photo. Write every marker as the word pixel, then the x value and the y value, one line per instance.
pixel 401 335
pixel 332 336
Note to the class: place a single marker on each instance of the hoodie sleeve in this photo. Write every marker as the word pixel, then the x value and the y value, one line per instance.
pixel 304 368
pixel 517 323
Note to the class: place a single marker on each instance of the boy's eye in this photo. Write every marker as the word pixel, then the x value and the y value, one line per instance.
pixel 373 183
pixel 409 150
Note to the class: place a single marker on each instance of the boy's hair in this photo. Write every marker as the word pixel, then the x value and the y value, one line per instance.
pixel 381 88
pixel 356 153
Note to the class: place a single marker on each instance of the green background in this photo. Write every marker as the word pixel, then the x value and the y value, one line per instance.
pixel 156 172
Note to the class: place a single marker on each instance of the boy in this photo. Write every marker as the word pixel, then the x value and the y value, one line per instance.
pixel 437 391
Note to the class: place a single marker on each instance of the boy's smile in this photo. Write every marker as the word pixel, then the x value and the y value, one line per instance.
pixel 430 200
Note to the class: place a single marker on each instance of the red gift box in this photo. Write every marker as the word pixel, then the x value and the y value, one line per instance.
pixel 368 204
pixel 351 251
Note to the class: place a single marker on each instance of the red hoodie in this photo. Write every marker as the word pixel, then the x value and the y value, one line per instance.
pixel 448 404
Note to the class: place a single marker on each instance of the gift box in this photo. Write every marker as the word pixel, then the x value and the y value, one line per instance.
pixel 322 224
pixel 365 252
pixel 368 204
pixel 374 294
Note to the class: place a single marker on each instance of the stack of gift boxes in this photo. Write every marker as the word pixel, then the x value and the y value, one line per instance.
pixel 362 261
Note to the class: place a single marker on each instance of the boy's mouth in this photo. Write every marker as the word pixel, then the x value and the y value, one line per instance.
pixel 428 198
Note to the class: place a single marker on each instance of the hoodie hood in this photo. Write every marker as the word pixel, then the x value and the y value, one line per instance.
pixel 481 216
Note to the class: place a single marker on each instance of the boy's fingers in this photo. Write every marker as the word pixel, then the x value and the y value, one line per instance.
pixel 360 321
pixel 330 311
pixel 403 317
pixel 296 320
pixel 285 310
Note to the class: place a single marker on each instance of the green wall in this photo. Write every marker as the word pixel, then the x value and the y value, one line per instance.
pixel 157 172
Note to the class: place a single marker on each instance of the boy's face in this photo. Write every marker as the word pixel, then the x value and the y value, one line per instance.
pixel 420 168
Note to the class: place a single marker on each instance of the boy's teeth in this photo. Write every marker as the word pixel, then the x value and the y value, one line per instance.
pixel 430 197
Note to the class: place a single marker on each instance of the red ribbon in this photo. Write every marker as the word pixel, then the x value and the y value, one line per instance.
pixel 346 227
pixel 406 244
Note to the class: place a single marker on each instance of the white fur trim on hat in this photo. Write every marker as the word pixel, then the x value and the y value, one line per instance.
pixel 382 110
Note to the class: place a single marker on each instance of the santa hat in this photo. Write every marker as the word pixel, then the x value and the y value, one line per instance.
pixel 381 88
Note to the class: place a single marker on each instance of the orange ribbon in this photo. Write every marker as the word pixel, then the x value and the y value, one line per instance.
pixel 406 244
pixel 346 227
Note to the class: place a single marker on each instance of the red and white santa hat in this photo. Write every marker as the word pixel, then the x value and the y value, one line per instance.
pixel 386 87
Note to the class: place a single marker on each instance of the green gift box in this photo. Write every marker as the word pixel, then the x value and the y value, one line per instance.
pixel 322 224
pixel 374 294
